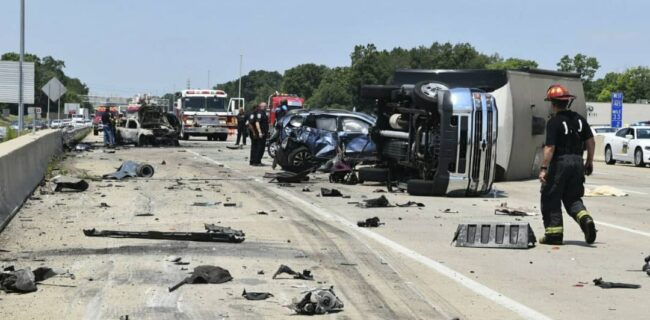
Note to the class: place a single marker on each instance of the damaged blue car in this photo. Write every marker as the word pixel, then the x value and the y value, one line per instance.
pixel 309 138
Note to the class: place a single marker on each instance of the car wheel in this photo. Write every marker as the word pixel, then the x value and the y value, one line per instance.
pixel 185 136
pixel 142 141
pixel 300 158
pixel 272 149
pixel 222 137
pixel 419 187
pixel 373 174
pixel 638 158
pixel 176 143
pixel 210 138
pixel 609 159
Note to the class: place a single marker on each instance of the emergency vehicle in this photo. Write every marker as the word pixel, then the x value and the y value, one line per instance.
pixel 97 119
pixel 205 113
pixel 293 102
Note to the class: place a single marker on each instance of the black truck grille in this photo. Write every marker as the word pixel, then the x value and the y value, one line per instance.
pixel 477 141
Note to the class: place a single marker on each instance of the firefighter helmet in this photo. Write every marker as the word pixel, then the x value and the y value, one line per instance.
pixel 558 92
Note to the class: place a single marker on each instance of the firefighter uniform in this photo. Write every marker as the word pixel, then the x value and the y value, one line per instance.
pixel 567 131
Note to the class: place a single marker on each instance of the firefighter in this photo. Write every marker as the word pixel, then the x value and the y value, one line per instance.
pixel 562 172
pixel 262 126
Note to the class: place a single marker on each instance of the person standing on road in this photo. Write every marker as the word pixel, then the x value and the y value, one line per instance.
pixel 253 132
pixel 281 110
pixel 562 172
pixel 262 125
pixel 242 132
pixel 112 126
pixel 106 127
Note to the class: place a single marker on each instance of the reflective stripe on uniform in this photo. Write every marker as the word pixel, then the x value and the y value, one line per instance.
pixel 554 230
pixel 581 214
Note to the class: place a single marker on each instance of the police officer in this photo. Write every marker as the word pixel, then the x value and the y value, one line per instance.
pixel 253 132
pixel 281 110
pixel 242 131
pixel 262 126
pixel 562 172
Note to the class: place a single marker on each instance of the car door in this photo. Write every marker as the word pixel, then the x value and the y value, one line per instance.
pixel 617 143
pixel 318 133
pixel 353 135
pixel 131 131
pixel 627 150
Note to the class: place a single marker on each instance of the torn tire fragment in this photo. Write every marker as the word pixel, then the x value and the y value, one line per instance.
pixel 370 223
pixel 325 192
pixel 305 275
pixel 318 301
pixel 256 295
pixel 63 182
pixel 615 285
pixel 213 233
pixel 131 169
pixel 205 274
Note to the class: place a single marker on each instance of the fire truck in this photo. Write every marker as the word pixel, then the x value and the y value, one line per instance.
pixel 97 119
pixel 293 102
pixel 205 113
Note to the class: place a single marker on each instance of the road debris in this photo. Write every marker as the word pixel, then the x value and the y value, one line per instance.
pixel 646 266
pixel 229 204
pixel 317 301
pixel 23 280
pixel 131 169
pixel 503 209
pixel 63 182
pixel 495 235
pixel 205 274
pixel 306 189
pixel 450 211
pixel 81 147
pixel 104 205
pixel 262 212
pixel 305 275
pixel 325 192
pixel 370 223
pixel 604 191
pixel 213 233
pixel 615 285
pixel 288 177
pixel 381 202
pixel 206 204
pixel 256 295
pixel 410 204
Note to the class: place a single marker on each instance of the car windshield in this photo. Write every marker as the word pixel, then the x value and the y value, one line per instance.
pixel 605 130
pixel 204 104
pixel 643 133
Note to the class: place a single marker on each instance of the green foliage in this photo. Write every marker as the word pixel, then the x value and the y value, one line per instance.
pixel 511 64
pixel 257 86
pixel 45 69
pixel 11 134
pixel 634 83
pixel 333 91
pixel 580 63
pixel 303 79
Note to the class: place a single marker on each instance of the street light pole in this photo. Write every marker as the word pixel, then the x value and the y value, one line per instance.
pixel 21 107
pixel 241 57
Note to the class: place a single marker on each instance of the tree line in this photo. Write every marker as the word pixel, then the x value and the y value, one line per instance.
pixel 339 87
pixel 45 69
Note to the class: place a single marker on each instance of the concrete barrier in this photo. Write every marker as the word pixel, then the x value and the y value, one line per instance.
pixel 23 163
pixel 599 152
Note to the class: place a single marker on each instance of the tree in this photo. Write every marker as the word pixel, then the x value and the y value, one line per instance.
pixel 334 90
pixel 511 64
pixel 634 83
pixel 580 63
pixel 303 79
pixel 257 86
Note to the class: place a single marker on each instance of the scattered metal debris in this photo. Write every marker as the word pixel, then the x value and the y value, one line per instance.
pixel 131 169
pixel 144 215
pixel 23 280
pixel 229 204
pixel 305 275
pixel 235 147
pixel 205 274
pixel 325 192
pixel 80 147
pixel 206 204
pixel 213 233
pixel 450 211
pixel 306 189
pixel 370 223
pixel 646 266
pixel 410 204
pixel 289 177
pixel 503 209
pixel 262 212
pixel 63 182
pixel 317 301
pixel 613 285
pixel 104 205
pixel 495 235
pixel 381 202
pixel 256 295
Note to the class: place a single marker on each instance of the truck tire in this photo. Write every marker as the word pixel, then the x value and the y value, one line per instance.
pixel 419 187
pixel 145 171
pixel 373 174
pixel 222 136
pixel 609 157
pixel 424 94
pixel 377 91
pixel 142 141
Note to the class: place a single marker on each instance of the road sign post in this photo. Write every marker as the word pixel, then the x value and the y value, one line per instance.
pixel 53 89
pixel 617 110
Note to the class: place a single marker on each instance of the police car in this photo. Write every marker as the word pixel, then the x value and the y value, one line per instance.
pixel 630 144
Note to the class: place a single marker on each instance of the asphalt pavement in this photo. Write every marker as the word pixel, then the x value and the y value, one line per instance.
pixel 405 269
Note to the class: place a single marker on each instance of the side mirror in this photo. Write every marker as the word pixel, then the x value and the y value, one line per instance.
pixel 629 136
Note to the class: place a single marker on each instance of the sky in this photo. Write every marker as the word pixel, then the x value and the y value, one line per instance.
pixel 125 47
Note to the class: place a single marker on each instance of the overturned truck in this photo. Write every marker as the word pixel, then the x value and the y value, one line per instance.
pixel 436 130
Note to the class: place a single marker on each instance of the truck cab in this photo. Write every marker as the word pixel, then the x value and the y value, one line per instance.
pixel 205 113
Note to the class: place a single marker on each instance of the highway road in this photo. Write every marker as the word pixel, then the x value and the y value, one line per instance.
pixel 405 269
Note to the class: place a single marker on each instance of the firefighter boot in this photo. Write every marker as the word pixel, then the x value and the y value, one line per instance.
pixel 587 225
pixel 554 239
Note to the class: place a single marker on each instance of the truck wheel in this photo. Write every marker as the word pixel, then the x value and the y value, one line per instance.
pixel 210 138
pixel 638 158
pixel 609 159
pixel 373 174
pixel 222 136
pixel 142 141
pixel 419 187
pixel 425 94
pixel 145 171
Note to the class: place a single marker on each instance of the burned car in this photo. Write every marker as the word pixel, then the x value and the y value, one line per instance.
pixel 433 139
pixel 150 125
pixel 309 138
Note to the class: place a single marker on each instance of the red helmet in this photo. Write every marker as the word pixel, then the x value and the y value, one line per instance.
pixel 558 92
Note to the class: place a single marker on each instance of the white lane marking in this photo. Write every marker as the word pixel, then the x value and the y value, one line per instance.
pixel 611 225
pixel 521 309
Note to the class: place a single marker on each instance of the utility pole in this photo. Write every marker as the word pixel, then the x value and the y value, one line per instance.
pixel 188 83
pixel 21 107
pixel 209 79
pixel 241 58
